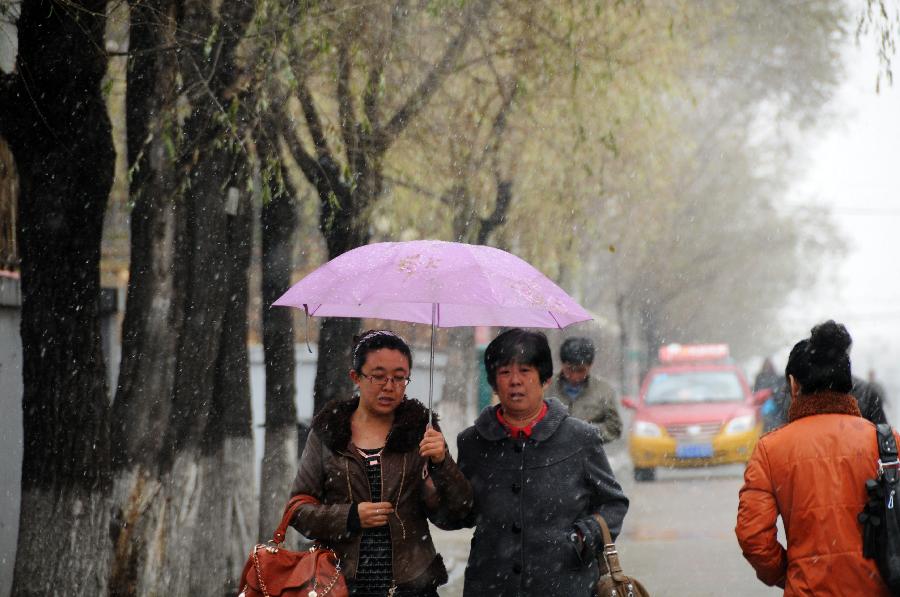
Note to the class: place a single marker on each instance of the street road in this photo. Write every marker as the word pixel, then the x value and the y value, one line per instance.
pixel 678 538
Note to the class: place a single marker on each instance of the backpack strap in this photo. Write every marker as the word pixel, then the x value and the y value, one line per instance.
pixel 888 464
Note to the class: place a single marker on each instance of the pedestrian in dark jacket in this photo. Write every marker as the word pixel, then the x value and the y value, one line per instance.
pixel 868 397
pixel 539 477
pixel 380 476
pixel 767 378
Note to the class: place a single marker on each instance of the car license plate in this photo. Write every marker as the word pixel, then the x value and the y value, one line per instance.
pixel 694 451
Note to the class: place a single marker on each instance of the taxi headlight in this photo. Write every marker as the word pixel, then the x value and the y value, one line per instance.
pixel 646 429
pixel 740 424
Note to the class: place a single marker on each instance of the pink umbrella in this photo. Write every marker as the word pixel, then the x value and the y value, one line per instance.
pixel 441 283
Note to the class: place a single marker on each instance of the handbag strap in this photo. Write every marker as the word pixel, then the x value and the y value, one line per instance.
pixel 289 510
pixel 610 553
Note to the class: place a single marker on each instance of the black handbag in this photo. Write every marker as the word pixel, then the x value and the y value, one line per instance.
pixel 880 518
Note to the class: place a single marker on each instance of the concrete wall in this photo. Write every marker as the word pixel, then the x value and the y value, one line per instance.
pixel 10 427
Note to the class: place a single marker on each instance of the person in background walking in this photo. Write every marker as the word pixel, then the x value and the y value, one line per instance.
pixel 539 478
pixel 812 472
pixel 588 397
pixel 877 387
pixel 767 378
pixel 869 397
pixel 380 475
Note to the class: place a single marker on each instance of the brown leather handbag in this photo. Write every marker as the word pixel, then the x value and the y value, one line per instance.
pixel 272 571
pixel 613 582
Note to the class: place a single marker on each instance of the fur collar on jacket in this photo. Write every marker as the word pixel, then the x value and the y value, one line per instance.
pixel 823 403
pixel 332 424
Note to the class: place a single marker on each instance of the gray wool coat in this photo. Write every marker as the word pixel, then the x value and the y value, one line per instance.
pixel 530 496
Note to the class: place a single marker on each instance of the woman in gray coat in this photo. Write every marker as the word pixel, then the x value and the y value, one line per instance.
pixel 539 477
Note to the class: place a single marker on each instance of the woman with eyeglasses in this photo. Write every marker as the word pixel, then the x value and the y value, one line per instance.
pixel 380 474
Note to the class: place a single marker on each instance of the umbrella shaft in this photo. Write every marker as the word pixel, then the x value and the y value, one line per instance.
pixel 431 363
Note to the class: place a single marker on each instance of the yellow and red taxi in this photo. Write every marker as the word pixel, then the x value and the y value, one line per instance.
pixel 694 409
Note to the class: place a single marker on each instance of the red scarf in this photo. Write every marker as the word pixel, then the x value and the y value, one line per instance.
pixel 521 431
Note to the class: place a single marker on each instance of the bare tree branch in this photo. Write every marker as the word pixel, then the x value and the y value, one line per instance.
pixel 321 173
pixel 413 187
pixel 313 122
pixel 346 109
pixel 429 85
pixel 501 207
pixel 498 126
pixel 376 68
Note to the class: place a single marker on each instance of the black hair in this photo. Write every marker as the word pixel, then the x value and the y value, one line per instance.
pixel 822 361
pixel 577 351
pixel 518 346
pixel 372 340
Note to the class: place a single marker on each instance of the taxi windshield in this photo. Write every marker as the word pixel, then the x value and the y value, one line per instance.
pixel 694 386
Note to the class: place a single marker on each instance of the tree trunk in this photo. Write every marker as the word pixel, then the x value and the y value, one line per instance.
pixel 54 117
pixel 203 271
pixel 189 473
pixel 227 519
pixel 345 227
pixel 460 377
pixel 624 349
pixel 189 513
pixel 334 360
pixel 154 308
pixel 651 337
pixel 278 222
pixel 154 311
pixel 62 559
pixel 460 383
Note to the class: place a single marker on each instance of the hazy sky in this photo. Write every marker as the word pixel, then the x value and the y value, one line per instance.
pixel 855 170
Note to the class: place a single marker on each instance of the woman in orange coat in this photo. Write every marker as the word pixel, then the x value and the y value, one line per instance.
pixel 812 472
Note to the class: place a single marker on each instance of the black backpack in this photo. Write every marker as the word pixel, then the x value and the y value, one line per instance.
pixel 880 518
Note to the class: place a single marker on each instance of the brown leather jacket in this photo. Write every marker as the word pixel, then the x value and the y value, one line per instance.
pixel 333 471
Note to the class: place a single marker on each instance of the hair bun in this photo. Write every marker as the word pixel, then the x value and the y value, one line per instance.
pixel 829 340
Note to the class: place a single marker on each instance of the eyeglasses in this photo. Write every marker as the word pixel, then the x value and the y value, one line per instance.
pixel 380 380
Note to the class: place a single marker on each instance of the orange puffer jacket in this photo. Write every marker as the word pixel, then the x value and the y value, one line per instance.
pixel 811 472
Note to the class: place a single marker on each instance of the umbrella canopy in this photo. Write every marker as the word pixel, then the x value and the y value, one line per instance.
pixel 435 282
